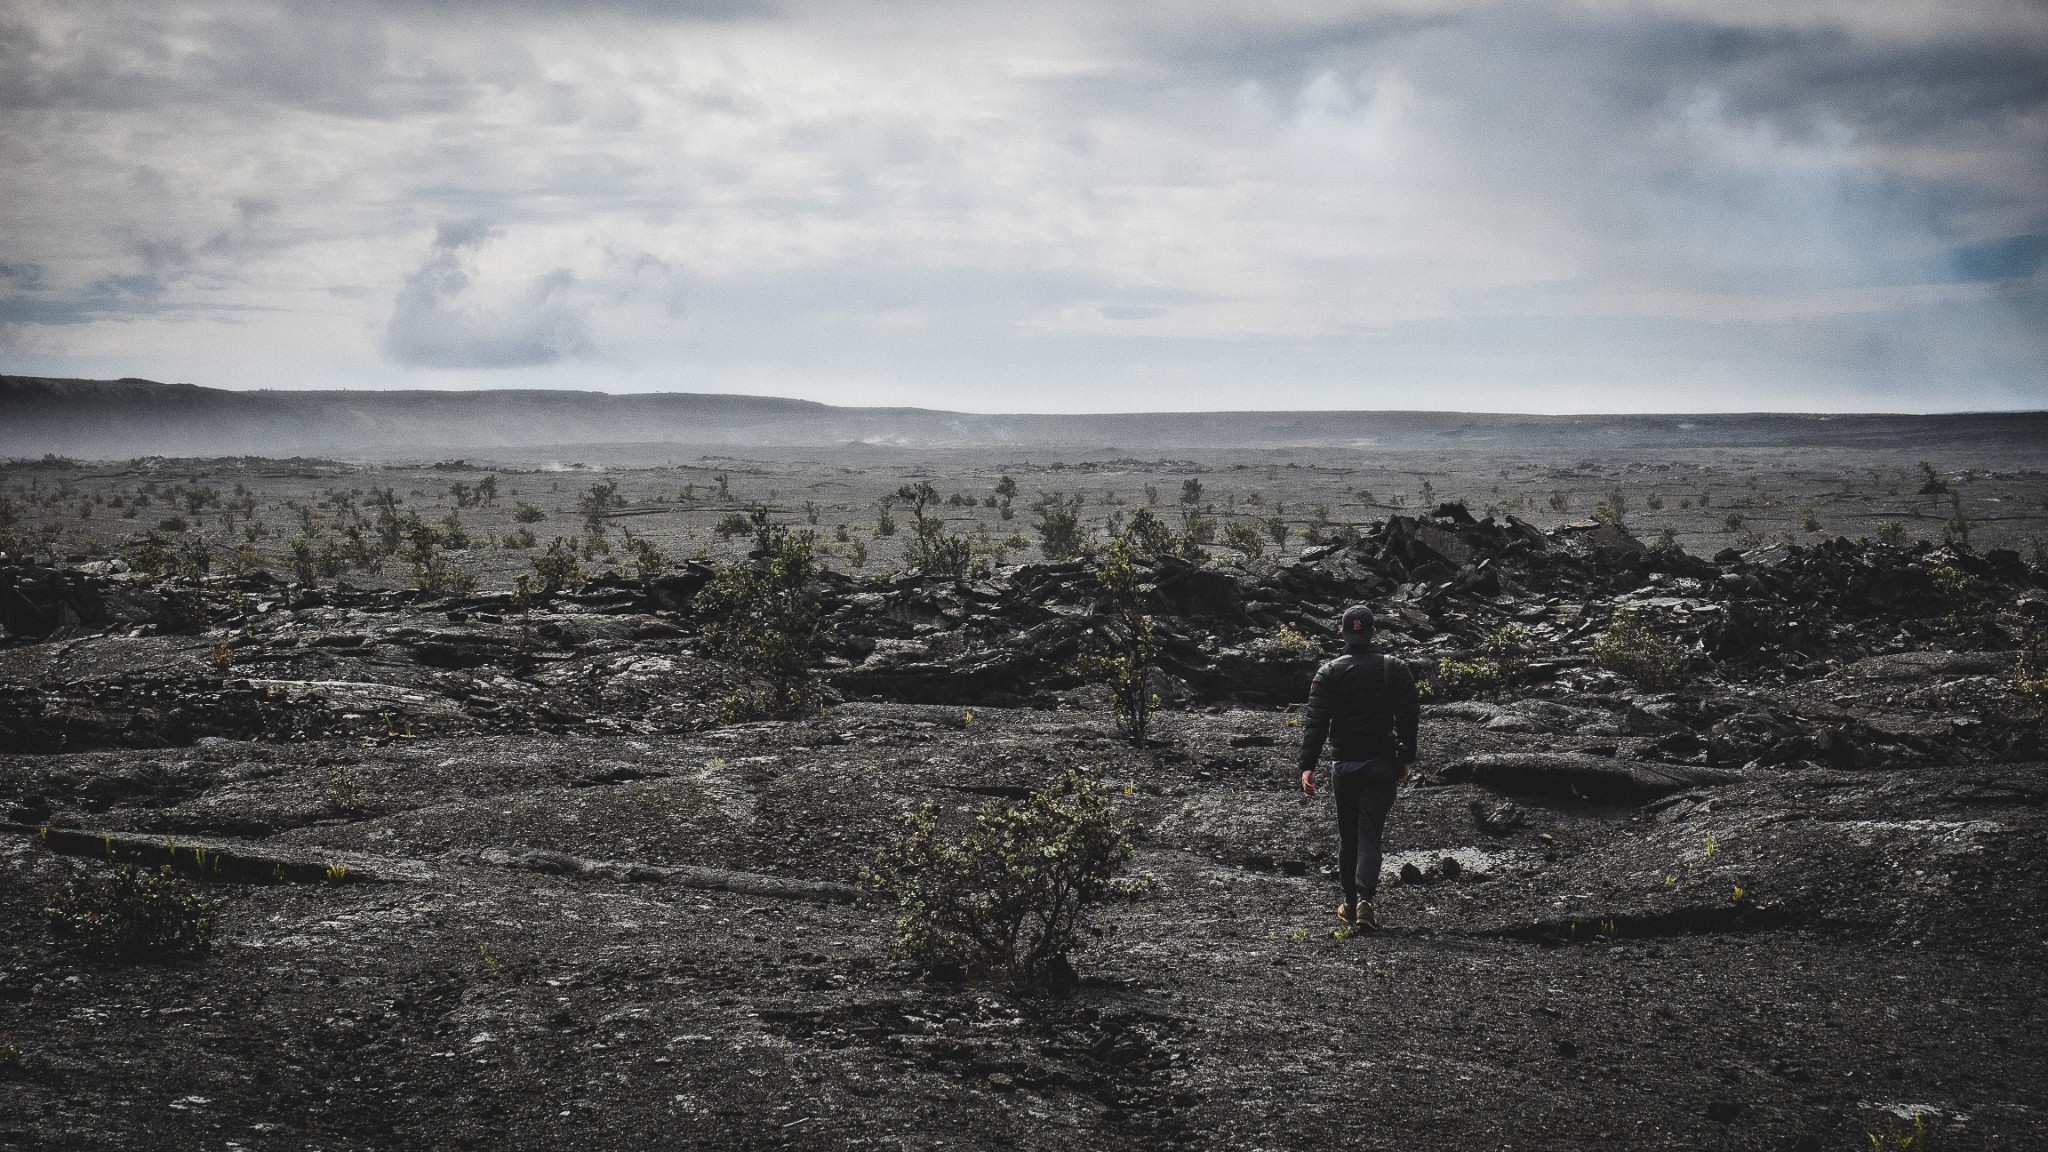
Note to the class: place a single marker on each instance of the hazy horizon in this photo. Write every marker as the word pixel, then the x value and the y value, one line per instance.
pixel 1433 205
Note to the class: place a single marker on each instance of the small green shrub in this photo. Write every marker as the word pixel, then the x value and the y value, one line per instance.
pixel 557 567
pixel 134 914
pixel 1126 651
pixel 526 513
pixel 1245 538
pixel 2030 671
pixel 1613 509
pixel 1147 534
pixel 1629 648
pixel 648 560
pixel 764 616
pixel 1504 657
pixel 1011 895
pixel 1509 650
pixel 1294 642
pixel 1060 534
pixel 1464 680
pixel 1901 1135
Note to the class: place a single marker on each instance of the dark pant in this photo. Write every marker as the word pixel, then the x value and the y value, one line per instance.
pixel 1364 797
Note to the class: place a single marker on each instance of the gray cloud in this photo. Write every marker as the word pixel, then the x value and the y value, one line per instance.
pixel 1699 203
pixel 436 323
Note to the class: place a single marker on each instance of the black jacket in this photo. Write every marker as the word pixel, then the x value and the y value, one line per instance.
pixel 1365 705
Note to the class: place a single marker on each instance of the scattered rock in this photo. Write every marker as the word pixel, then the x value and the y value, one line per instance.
pixel 1498 817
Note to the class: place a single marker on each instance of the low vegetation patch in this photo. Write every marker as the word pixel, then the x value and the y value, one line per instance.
pixel 1126 651
pixel 1010 896
pixel 1501 664
pixel 763 616
pixel 135 913
pixel 1631 649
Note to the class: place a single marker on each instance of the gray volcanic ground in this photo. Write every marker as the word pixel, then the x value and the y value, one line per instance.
pixel 497 875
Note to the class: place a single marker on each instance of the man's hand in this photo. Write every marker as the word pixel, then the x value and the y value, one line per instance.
pixel 1407 770
pixel 1308 781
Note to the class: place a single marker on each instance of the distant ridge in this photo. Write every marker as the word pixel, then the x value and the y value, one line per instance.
pixel 131 417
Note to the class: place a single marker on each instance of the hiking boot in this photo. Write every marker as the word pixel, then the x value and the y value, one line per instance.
pixel 1347 914
pixel 1365 916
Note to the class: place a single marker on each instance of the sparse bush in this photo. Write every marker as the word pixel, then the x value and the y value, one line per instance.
pixel 1901 1135
pixel 1011 895
pixel 1245 538
pixel 763 616
pixel 305 566
pixel 1560 501
pixel 1809 521
pixel 244 560
pixel 1191 491
pixel 2030 671
pixel 648 560
pixel 1630 648
pixel 1891 533
pixel 1509 648
pixel 1955 531
pixel 520 540
pixel 1060 535
pixel 342 794
pixel 1124 660
pixel 1932 484
pixel 557 567
pixel 526 513
pixel 1196 531
pixel 1654 502
pixel 133 914
pixel 1147 534
pixel 453 535
pixel 937 554
pixel 1613 509
pixel 151 556
pixel 1292 641
pixel 1464 680
pixel 602 497
pixel 1734 521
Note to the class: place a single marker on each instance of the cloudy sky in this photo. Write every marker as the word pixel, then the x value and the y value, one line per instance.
pixel 1691 205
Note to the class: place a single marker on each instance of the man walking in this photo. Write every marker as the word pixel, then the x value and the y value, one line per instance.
pixel 1364 704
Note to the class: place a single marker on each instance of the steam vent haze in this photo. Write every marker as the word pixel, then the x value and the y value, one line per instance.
pixel 1414 576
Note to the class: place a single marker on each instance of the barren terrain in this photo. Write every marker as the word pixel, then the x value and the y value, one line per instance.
pixel 494 875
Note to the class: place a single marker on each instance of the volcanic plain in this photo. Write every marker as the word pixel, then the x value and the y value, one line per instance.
pixel 494 871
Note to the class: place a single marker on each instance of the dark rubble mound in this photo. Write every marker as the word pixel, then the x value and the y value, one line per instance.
pixel 131 660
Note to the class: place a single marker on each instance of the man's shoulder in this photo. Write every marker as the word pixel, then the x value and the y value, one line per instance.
pixel 1333 668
